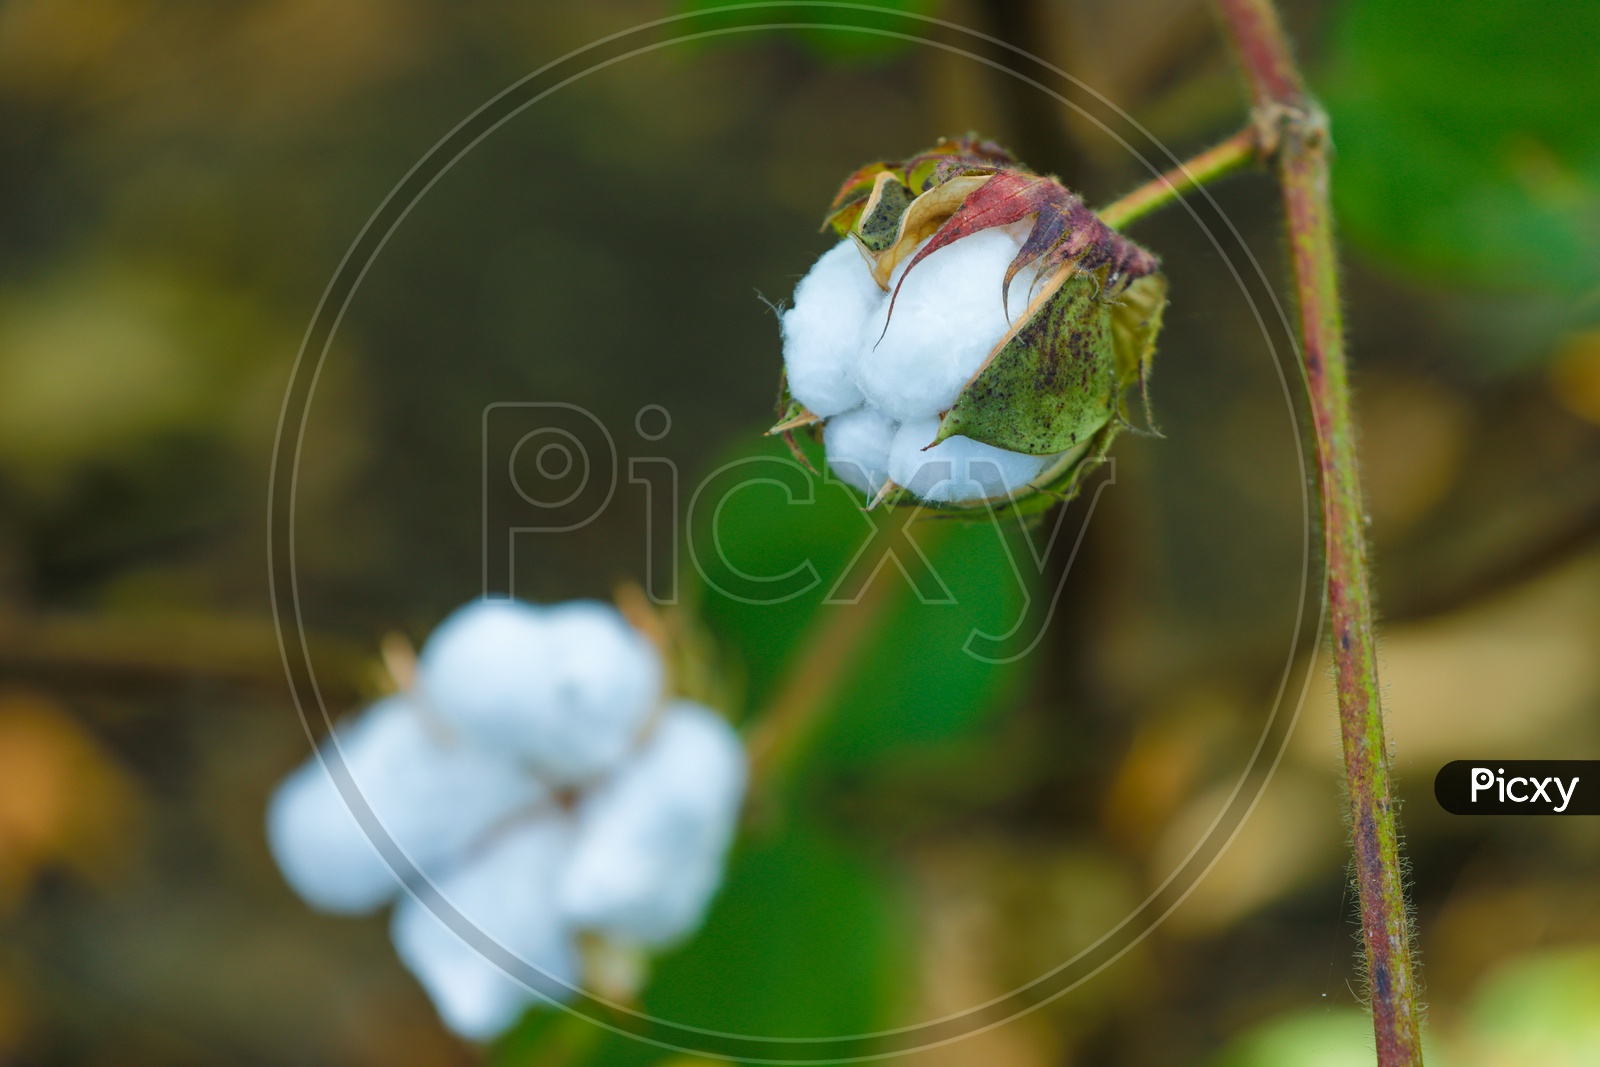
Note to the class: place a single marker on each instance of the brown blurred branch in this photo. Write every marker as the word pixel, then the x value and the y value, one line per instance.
pixel 115 650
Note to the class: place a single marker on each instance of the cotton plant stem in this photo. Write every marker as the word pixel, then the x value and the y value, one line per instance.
pixel 1296 128
pixel 1236 153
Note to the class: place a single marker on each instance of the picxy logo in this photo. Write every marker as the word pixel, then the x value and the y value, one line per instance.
pixel 1518 787
pixel 1483 778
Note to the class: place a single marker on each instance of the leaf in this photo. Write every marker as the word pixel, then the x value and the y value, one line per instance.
pixel 764 530
pixel 803 940
pixel 851 199
pixel 949 158
pixel 897 707
pixel 1469 139
pixel 1052 382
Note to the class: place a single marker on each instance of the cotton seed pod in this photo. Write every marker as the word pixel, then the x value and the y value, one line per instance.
pixel 978 304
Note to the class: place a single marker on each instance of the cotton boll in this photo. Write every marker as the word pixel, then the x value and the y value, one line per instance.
pixel 958 470
pixel 651 842
pixel 608 680
pixel 822 332
pixel 488 669
pixel 432 795
pixel 947 319
pixel 507 894
pixel 858 447
pixel 565 689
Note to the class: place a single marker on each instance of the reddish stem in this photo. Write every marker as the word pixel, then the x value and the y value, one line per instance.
pixel 1291 121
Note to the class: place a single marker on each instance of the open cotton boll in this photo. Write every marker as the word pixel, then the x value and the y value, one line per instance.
pixel 947 319
pixel 508 895
pixel 958 470
pixel 488 670
pixel 858 447
pixel 608 679
pixel 651 842
pixel 822 332
pixel 433 796
pixel 565 689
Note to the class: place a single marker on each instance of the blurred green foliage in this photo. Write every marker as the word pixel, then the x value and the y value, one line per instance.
pixel 912 684
pixel 1468 137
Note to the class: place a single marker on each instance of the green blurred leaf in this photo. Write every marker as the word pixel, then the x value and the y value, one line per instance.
pixel 914 685
pixel 803 940
pixel 1541 1009
pixel 1335 1037
pixel 1468 136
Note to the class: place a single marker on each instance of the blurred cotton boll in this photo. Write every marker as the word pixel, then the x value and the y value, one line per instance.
pixel 565 688
pixel 508 894
pixel 433 794
pixel 543 790
pixel 652 840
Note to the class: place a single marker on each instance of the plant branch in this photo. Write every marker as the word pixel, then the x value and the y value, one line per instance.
pixel 1298 131
pixel 1234 154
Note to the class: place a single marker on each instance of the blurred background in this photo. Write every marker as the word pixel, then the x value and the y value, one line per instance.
pixel 179 181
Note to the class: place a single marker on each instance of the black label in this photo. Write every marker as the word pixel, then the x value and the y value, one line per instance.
pixel 1519 787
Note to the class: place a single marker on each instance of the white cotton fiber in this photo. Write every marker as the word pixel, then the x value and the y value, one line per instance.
pixel 608 682
pixel 858 448
pixel 959 470
pixel 822 331
pixel 651 841
pixel 507 894
pixel 947 319
pixel 565 689
pixel 433 795
pixel 486 668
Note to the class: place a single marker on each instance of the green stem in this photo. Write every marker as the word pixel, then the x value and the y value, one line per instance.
pixel 1290 122
pixel 1236 153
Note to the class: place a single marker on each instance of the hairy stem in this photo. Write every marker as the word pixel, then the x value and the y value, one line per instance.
pixel 1289 121
pixel 1236 153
